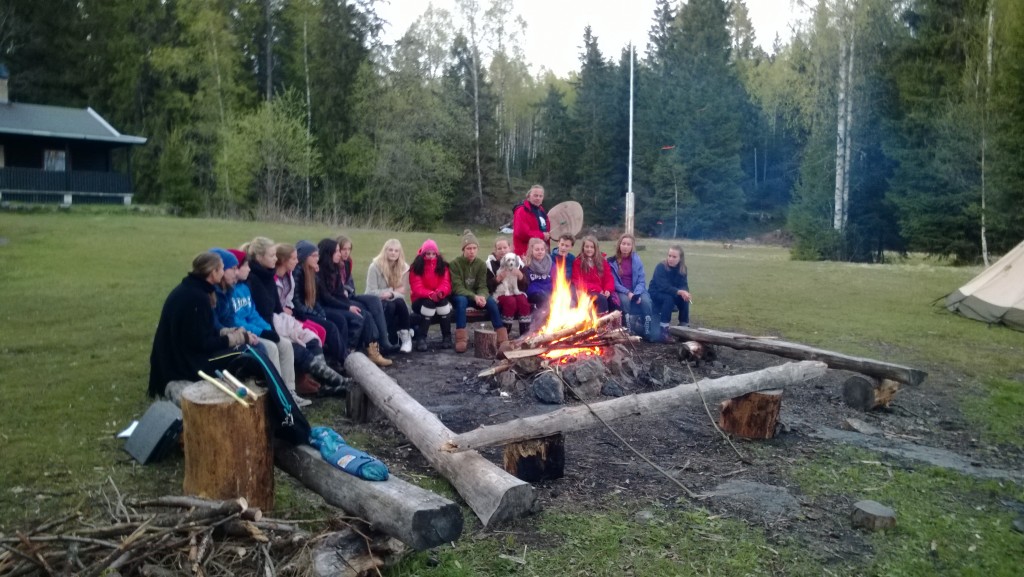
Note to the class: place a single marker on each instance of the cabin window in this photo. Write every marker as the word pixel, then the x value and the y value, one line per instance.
pixel 54 160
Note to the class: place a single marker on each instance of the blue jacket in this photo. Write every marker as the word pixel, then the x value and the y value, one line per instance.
pixel 666 281
pixel 639 277
pixel 244 313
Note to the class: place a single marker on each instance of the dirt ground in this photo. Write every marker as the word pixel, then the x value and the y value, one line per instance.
pixel 685 443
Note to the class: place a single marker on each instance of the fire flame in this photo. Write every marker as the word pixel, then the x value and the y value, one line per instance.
pixel 563 315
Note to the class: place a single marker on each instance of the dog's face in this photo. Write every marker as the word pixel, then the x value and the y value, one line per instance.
pixel 509 261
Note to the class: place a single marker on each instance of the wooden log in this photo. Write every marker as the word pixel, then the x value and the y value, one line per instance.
pixel 485 343
pixel 866 394
pixel 227 447
pixel 352 553
pixel 580 417
pixel 536 459
pixel 417 517
pixel 543 339
pixel 494 495
pixel 789 350
pixel 359 408
pixel 751 416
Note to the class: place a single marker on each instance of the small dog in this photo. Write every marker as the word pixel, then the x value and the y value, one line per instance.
pixel 509 286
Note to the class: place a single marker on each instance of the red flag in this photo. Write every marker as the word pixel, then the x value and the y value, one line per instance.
pixel 667 147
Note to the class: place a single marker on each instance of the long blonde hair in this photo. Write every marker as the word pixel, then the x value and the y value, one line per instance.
pixel 393 273
pixel 598 257
pixel 529 250
pixel 257 247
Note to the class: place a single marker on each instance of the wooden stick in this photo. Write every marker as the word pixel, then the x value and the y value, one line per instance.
pixel 504 366
pixel 541 339
pixel 231 379
pixel 224 388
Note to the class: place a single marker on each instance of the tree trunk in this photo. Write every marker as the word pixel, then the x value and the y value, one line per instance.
pixel 984 121
pixel 491 493
pixel 227 446
pixel 848 129
pixel 536 459
pixel 867 394
pixel 839 209
pixel 789 350
pixel 582 417
pixel 751 416
pixel 485 343
pixel 417 517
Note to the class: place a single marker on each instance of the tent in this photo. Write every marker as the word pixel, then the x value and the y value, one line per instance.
pixel 996 295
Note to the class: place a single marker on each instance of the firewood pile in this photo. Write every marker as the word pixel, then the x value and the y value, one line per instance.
pixel 176 535
pixel 534 352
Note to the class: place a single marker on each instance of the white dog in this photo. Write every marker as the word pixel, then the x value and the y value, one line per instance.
pixel 509 286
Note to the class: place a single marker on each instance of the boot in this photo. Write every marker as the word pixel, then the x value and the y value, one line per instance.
pixel 331 382
pixel 421 335
pixel 461 340
pixel 524 326
pixel 446 332
pixel 307 386
pixel 373 352
pixel 405 337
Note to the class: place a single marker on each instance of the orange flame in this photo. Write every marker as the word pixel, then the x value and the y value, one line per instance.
pixel 563 315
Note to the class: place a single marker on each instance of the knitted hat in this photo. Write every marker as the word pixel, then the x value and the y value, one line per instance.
pixel 229 259
pixel 469 238
pixel 238 255
pixel 304 248
pixel 429 246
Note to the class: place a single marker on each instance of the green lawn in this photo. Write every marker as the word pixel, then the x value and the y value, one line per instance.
pixel 80 294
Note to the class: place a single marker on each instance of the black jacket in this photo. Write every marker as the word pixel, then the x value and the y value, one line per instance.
pixel 186 337
pixel 264 291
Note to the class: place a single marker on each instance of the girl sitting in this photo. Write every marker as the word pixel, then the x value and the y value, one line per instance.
pixel 513 306
pixel 386 278
pixel 336 300
pixel 592 275
pixel 631 287
pixel 670 290
pixel 305 305
pixel 370 303
pixel 430 289
pixel 540 271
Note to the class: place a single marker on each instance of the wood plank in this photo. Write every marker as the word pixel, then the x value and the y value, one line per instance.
pixel 580 417
pixel 797 351
pixel 417 517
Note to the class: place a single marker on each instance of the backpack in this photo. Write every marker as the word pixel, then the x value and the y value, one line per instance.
pixel 288 422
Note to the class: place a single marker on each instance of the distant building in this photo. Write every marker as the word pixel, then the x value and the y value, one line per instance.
pixel 53 154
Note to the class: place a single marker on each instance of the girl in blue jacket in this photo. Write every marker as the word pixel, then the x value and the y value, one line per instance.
pixel 631 286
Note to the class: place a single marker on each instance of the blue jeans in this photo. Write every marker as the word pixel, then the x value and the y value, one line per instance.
pixel 665 305
pixel 642 312
pixel 461 303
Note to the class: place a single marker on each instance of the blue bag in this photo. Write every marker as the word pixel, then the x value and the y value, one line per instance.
pixel 337 452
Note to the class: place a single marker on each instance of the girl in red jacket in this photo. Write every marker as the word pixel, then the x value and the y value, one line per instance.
pixel 430 289
pixel 592 274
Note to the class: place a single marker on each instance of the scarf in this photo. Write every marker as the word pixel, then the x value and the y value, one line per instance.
pixel 541 267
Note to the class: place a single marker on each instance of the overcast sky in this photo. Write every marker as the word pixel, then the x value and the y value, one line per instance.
pixel 554 28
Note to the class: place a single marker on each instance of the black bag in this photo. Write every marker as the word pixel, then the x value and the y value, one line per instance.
pixel 287 420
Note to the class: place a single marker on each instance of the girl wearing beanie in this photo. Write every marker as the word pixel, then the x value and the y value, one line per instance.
pixel 430 288
pixel 305 305
pixel 469 289
pixel 387 279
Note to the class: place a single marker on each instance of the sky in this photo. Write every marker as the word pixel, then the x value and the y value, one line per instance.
pixel 554 28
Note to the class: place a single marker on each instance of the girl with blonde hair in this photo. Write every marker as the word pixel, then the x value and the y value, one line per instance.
pixel 386 278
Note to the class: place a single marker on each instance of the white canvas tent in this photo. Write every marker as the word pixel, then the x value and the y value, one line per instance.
pixel 996 295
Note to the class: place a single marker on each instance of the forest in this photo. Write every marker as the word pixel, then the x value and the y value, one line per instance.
pixel 881 127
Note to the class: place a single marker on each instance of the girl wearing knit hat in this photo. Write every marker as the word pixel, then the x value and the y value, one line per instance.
pixel 305 305
pixel 430 287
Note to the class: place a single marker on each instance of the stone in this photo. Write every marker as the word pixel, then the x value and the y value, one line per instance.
pixel 506 381
pixel 612 388
pixel 767 501
pixel 589 370
pixel 851 424
pixel 872 515
pixel 548 389
pixel 644 516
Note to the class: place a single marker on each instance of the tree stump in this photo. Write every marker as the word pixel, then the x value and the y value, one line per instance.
pixel 866 394
pixel 752 416
pixel 485 343
pixel 227 446
pixel 535 460
pixel 359 407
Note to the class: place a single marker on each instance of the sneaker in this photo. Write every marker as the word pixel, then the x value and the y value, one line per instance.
pixel 301 401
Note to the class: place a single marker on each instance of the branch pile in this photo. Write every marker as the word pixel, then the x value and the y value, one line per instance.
pixel 167 536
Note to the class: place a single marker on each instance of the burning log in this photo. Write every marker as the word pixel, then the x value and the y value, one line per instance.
pixel 227 446
pixel 577 331
pixel 493 494
pixel 417 517
pixel 751 416
pixel 580 417
pixel 834 360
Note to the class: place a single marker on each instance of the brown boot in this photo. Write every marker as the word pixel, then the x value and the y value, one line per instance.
pixel 307 386
pixel 502 336
pixel 373 353
pixel 461 340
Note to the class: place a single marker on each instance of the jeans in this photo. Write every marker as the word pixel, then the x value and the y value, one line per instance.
pixel 374 307
pixel 642 312
pixel 396 313
pixel 462 303
pixel 664 305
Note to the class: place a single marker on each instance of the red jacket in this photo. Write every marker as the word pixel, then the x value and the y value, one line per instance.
pixel 525 226
pixel 590 281
pixel 420 287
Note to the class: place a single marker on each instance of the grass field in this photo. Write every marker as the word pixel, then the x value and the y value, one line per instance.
pixel 80 294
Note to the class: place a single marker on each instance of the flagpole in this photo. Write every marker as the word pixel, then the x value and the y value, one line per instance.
pixel 630 198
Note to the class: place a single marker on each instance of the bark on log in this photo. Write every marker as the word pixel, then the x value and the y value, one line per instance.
pixel 536 459
pixel 359 407
pixel 580 417
pixel 417 517
pixel 227 447
pixel 491 493
pixel 751 416
pixel 789 350
pixel 485 343
pixel 867 394
pixel 543 339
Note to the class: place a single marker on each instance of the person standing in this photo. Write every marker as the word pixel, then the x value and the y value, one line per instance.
pixel 469 288
pixel 530 220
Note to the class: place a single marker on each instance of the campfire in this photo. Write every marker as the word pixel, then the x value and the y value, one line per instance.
pixel 571 332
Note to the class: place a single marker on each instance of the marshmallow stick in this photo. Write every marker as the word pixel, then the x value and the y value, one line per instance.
pixel 231 379
pixel 224 388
